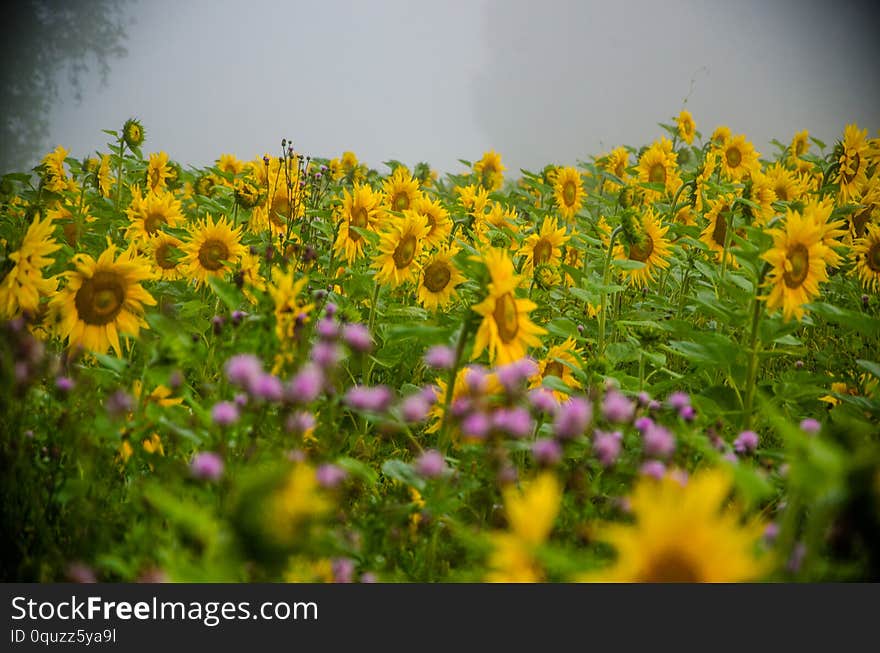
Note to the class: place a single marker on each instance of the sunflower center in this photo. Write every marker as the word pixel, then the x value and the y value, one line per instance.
pixel 569 193
pixel 155 177
pixel 212 254
pixel 543 250
pixel 400 201
pixel 800 147
pixel 670 567
pixel 432 222
pixel 860 221
pixel 506 318
pixel 404 252
pixel 781 192
pixel 163 258
pixel 153 221
pixel 797 266
pixel 734 157
pixel 854 166
pixel 719 233
pixel 872 258
pixel 642 251
pixel 554 368
pixel 99 299
pixel 657 173
pixel 358 219
pixel 437 276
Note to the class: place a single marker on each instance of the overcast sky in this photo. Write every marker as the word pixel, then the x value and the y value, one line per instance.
pixel 540 82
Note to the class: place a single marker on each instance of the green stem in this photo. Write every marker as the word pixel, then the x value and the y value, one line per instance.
pixel 450 383
pixel 606 271
pixel 753 350
pixel 370 324
pixel 119 173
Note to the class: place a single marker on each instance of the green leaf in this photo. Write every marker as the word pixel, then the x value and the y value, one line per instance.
pixel 401 471
pixel 118 365
pixel 562 327
pixel 627 264
pixel 226 291
pixel 555 383
pixel 860 322
pixel 359 469
pixel 871 366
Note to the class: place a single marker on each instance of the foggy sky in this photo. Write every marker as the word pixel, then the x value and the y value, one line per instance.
pixel 549 82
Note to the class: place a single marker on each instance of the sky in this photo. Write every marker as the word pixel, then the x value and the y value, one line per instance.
pixel 552 82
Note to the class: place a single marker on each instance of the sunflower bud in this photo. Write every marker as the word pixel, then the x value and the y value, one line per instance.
pixel 133 133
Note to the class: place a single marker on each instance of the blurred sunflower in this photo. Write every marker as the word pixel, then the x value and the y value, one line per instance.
pixel 24 285
pixel 798 264
pixel 544 247
pixel 721 136
pixel 104 177
pixel 568 189
pixel 530 517
pixel 157 171
pixel 102 299
pixel 490 171
pixel 439 278
pixel 506 330
pixel 853 162
pixel 759 190
pixel 164 253
pixel 212 250
pixel 867 252
pixel 250 276
pixel 461 388
pixel 474 199
pixel 653 249
pixel 787 185
pixel 148 215
pixel 54 174
pixel 401 190
pixel 738 158
pixel 400 247
pixel 820 211
pixel 800 145
pixel 559 362
pixel 683 534
pixel 686 126
pixel 659 165
pixel 715 233
pixel 869 212
pixel 360 208
pixel 615 163
pixel 230 164
pixel 292 311
pixel 438 220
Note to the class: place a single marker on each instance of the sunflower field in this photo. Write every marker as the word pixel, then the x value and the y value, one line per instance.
pixel 659 364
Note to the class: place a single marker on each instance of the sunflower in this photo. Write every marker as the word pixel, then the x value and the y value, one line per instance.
pixel 853 162
pixel 230 164
pixel 438 279
pixel 683 534
pixel 401 190
pixel 54 174
pixel 212 250
pixel 787 184
pixel 360 209
pixel 506 330
pixel 291 310
pixel 105 179
pixel 798 264
pixel 490 171
pixel 157 171
pixel 461 389
pixel 568 189
pixel 715 234
pixel 250 276
pixel 133 133
pixel 474 199
pixel 24 285
pixel 800 145
pixel 820 212
pixel 659 165
pixel 102 299
pixel 400 247
pixel 653 250
pixel 615 163
pixel 438 220
pixel 759 190
pixel 148 215
pixel 530 516
pixel 867 251
pixel 721 136
pixel 686 126
pixel 738 158
pixel 165 260
pixel 870 209
pixel 558 362
pixel 544 247
pixel 283 199
pixel 499 217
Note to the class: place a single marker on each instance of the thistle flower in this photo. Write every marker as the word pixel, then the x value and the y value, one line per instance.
pixel 572 418
pixel 224 413
pixel 440 357
pixel 431 464
pixel 206 466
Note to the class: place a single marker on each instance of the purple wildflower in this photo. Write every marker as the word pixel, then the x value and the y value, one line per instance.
pixel 572 418
pixel 206 466
pixel 440 357
pixel 224 413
